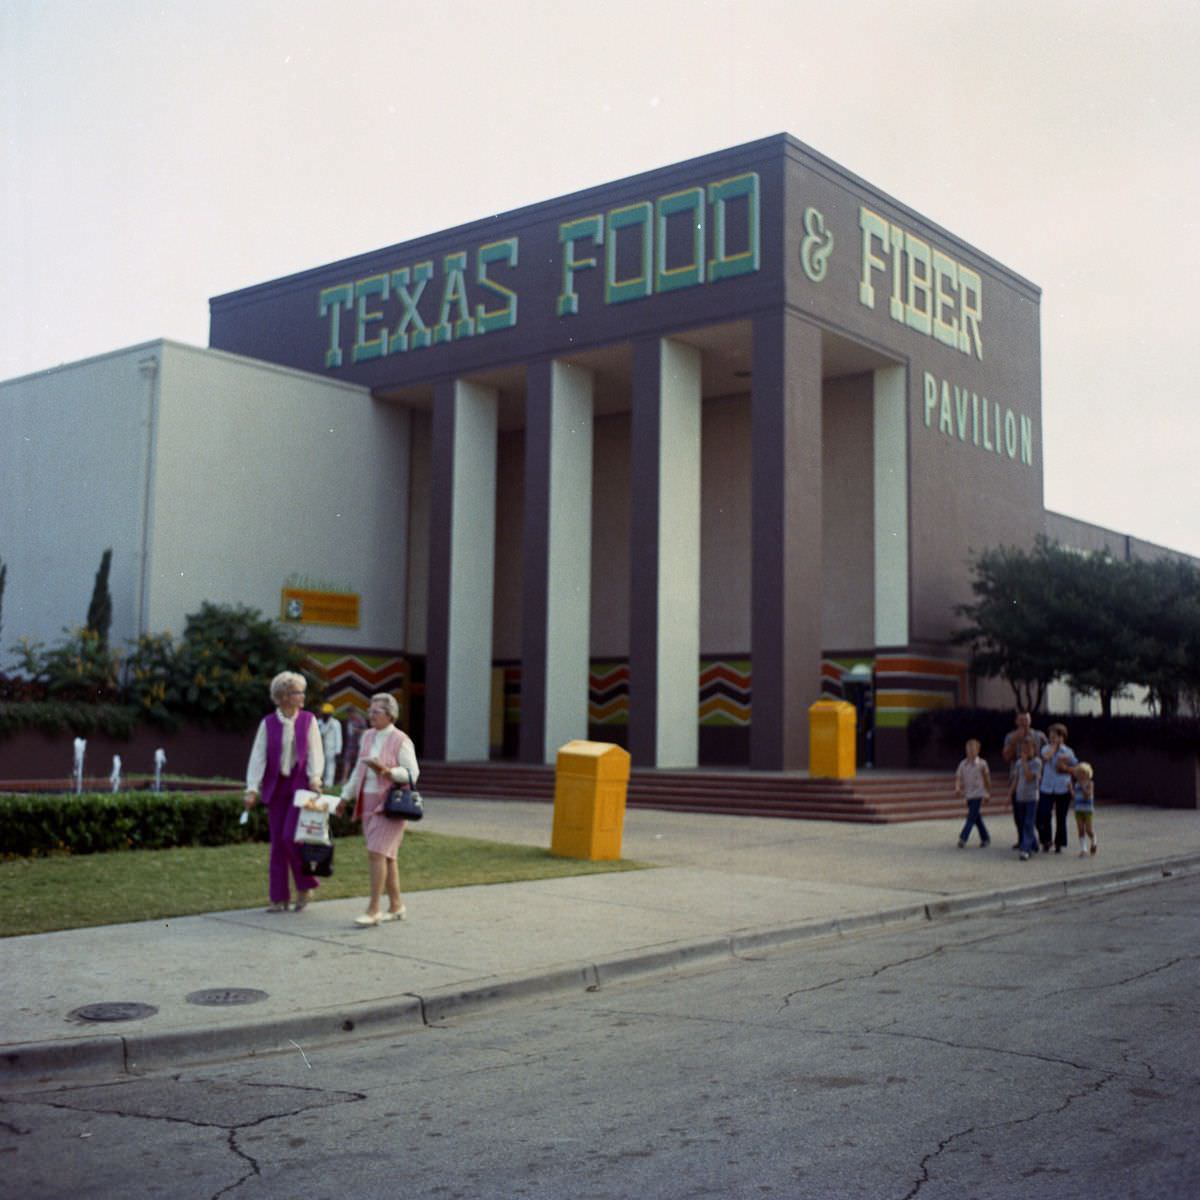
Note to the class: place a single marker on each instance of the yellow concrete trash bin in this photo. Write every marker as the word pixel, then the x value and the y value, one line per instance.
pixel 831 739
pixel 590 783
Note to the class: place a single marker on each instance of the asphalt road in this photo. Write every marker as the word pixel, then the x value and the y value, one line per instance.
pixel 1048 1052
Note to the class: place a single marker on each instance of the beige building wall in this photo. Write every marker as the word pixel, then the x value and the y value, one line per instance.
pixel 263 473
pixel 74 455
pixel 213 478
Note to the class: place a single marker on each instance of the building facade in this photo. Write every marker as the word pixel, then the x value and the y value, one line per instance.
pixel 727 421
pixel 658 462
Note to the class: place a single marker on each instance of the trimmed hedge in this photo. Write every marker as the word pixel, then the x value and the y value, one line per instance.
pixel 97 822
pixel 68 716
pixel 947 730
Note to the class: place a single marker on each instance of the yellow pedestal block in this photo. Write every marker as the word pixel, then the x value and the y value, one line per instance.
pixel 590 783
pixel 831 740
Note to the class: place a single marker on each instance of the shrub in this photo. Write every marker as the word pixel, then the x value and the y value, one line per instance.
pixel 94 822
pixel 63 716
pixel 98 822
pixel 220 670
pixel 217 673
pixel 80 667
pixel 151 683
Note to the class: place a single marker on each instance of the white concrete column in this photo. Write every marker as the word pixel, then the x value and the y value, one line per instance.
pixel 665 535
pixel 462 570
pixel 891 508
pixel 558 549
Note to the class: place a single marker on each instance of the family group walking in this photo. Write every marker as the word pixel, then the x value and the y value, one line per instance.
pixel 1044 780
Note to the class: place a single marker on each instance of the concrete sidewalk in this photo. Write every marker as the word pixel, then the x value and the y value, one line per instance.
pixel 721 885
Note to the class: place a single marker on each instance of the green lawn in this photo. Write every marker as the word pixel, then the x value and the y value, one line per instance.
pixel 72 891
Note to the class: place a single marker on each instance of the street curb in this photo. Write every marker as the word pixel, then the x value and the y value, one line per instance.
pixel 142 1052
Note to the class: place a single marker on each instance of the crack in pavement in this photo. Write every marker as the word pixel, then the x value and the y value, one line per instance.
pixel 903 962
pixel 945 1143
pixel 76 1099
pixel 254 1171
pixel 883 1031
pixel 328 1098
pixel 1112 983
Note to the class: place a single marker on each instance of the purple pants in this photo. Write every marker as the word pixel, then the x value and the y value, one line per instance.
pixel 282 816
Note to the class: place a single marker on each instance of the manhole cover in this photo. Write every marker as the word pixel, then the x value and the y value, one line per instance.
pixel 216 997
pixel 119 1010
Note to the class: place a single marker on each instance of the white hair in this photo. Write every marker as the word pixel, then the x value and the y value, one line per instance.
pixel 388 701
pixel 285 681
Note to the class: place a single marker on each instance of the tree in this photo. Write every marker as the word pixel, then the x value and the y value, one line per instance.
pixel 3 580
pixel 1099 623
pixel 1102 643
pixel 1167 616
pixel 1014 624
pixel 99 614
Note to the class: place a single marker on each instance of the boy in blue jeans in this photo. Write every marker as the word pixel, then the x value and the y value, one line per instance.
pixel 973 781
pixel 1028 786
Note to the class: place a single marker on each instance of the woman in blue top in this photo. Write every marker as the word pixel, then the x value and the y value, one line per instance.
pixel 1058 759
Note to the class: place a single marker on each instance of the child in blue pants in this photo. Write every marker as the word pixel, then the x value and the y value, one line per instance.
pixel 973 781
pixel 1028 789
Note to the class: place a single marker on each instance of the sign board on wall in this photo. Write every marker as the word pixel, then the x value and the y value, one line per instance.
pixel 308 607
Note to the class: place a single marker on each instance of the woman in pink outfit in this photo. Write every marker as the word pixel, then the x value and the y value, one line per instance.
pixel 386 757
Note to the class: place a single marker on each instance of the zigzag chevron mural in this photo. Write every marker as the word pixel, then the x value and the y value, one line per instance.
pixel 608 692
pixel 724 687
pixel 352 678
pixel 725 691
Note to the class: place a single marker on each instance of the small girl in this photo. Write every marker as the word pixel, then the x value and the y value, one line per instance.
pixel 1085 805
pixel 973 782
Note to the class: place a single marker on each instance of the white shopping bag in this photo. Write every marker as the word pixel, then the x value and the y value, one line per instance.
pixel 312 826
pixel 314 800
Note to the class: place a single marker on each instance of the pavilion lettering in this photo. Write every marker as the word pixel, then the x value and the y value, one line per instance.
pixel 962 413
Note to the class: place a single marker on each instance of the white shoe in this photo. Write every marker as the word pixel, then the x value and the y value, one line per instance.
pixel 368 919
pixel 401 914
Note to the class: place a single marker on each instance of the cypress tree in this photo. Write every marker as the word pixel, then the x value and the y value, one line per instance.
pixel 99 617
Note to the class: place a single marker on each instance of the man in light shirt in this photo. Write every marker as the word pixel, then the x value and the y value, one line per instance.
pixel 331 743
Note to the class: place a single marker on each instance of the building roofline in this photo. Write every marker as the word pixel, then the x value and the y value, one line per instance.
pixel 783 143
pixel 160 344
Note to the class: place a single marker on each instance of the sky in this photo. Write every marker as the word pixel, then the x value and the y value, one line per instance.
pixel 157 154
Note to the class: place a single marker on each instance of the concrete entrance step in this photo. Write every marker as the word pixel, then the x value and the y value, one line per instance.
pixel 868 798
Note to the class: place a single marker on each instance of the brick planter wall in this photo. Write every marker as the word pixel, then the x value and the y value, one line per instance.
pixel 30 754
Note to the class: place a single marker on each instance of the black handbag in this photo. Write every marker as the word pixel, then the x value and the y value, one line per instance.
pixel 317 859
pixel 403 803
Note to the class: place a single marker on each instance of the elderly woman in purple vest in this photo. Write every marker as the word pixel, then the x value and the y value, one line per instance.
pixel 287 754
pixel 385 757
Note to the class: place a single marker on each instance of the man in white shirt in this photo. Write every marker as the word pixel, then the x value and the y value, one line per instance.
pixel 331 740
